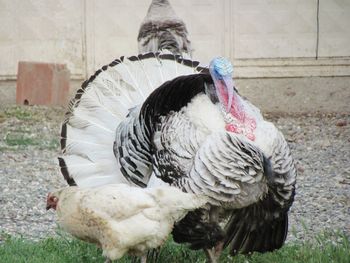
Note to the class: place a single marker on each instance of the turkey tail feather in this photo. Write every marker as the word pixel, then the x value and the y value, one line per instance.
pixel 101 104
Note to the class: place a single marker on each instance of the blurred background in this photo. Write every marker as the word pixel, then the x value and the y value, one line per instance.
pixel 265 39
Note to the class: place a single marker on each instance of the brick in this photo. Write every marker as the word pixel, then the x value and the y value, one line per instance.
pixel 42 83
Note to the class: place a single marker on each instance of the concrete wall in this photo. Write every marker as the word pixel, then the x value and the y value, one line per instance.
pixel 41 30
pixel 264 38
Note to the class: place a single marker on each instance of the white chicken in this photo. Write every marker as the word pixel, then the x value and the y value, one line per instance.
pixel 122 219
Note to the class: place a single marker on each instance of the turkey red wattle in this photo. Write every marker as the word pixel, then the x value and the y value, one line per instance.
pixel 247 128
pixel 238 120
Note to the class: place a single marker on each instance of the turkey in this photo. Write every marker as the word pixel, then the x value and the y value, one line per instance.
pixel 157 119
pixel 120 218
pixel 162 29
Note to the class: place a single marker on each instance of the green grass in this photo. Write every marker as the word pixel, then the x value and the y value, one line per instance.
pixel 29 127
pixel 18 112
pixel 324 249
pixel 23 139
pixel 20 139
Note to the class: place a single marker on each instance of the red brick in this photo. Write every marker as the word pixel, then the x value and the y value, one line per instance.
pixel 42 83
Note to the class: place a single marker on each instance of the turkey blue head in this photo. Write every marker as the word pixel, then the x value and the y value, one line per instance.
pixel 237 119
pixel 221 71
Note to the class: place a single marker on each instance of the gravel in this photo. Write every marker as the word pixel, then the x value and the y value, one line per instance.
pixel 321 148
pixel 28 171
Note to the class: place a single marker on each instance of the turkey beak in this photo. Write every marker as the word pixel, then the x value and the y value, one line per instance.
pixel 229 86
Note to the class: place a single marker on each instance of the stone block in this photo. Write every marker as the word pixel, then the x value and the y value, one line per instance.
pixel 42 83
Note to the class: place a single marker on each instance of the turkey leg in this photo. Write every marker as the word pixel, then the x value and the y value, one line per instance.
pixel 144 259
pixel 214 253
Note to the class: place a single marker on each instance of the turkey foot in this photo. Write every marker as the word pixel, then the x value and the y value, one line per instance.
pixel 214 253
pixel 144 259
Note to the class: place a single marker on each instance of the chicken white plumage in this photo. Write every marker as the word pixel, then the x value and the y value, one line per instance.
pixel 122 219
pixel 168 121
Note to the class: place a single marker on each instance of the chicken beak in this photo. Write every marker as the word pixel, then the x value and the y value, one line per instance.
pixel 48 201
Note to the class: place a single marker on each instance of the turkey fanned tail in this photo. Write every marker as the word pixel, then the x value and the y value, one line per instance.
pixel 100 106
